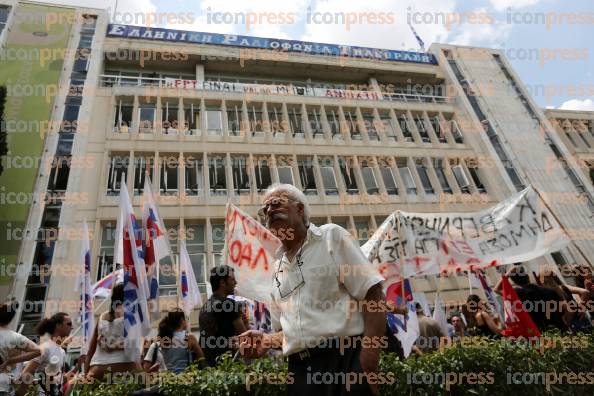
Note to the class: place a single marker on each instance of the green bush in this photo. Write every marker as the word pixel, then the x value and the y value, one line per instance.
pixel 485 367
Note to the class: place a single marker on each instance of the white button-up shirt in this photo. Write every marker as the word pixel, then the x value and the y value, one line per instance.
pixel 319 297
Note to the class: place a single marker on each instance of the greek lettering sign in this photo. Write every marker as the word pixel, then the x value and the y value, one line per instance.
pixel 517 229
pixel 303 47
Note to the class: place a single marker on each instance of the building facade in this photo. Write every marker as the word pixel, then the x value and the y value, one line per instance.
pixel 215 118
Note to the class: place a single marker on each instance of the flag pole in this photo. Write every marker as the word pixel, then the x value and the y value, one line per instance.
pixel 401 259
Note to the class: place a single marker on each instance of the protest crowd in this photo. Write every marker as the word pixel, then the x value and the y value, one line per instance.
pixel 320 302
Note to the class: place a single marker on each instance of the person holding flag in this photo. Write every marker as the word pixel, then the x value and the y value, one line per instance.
pixel 316 268
pixel 83 285
pixel 155 244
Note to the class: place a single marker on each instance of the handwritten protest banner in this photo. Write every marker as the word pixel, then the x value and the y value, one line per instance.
pixel 249 250
pixel 517 229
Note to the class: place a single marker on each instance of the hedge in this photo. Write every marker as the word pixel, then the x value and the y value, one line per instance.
pixel 485 367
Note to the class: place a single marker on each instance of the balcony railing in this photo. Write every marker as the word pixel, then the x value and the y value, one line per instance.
pixel 266 89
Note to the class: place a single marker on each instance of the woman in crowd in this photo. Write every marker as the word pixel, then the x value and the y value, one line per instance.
pixel 14 347
pixel 53 356
pixel 106 349
pixel 176 348
pixel 480 322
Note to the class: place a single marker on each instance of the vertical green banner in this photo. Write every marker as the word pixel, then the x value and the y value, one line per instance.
pixel 30 68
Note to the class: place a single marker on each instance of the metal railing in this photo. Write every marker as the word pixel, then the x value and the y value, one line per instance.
pixel 281 89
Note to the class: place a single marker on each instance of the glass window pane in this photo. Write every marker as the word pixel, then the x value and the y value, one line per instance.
pixel 369 178
pixel 329 180
pixel 389 181
pixel 285 175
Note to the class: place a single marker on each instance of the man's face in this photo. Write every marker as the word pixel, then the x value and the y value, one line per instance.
pixel 457 323
pixel 230 284
pixel 280 211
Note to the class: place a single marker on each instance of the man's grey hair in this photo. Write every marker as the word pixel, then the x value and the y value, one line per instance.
pixel 295 194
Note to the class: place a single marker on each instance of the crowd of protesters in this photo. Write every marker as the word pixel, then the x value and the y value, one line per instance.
pixel 300 326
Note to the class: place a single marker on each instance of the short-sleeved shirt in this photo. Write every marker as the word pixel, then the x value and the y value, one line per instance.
pixel 216 326
pixel 336 276
pixel 10 340
pixel 48 350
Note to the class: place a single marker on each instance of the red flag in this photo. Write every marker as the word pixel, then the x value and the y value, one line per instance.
pixel 518 322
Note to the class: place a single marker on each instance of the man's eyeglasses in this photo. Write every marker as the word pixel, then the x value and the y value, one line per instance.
pixel 288 281
pixel 277 201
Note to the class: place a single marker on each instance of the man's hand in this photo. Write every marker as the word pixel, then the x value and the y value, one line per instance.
pixel 253 344
pixel 369 359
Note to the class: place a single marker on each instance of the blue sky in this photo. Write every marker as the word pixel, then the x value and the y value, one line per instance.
pixel 556 59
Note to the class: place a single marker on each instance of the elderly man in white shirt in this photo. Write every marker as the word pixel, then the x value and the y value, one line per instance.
pixel 324 303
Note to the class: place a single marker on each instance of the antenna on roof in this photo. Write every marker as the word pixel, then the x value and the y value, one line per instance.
pixel 421 43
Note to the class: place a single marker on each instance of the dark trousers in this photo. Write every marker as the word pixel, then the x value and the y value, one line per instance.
pixel 325 371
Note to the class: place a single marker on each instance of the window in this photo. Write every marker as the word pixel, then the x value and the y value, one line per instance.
pixel 69 120
pixel 216 175
pixel 169 174
pixel 456 131
pixel 363 231
pixel 193 175
pixel 351 122
pixel 65 142
pixel 234 119
pixel 256 120
pixel 424 176
pixel 439 130
pixel 262 170
pixel 192 119
pixel 106 250
pixel 388 178
pixel 369 177
pixel 406 131
pixel 474 173
pixel 441 176
pixel 146 114
pixel 420 123
pixel 4 11
pixel 285 174
pixel 306 176
pixel 167 268
pixel 81 64
pixel 195 246
pixel 241 179
pixel 313 117
pixel 58 179
pixel 334 123
pixel 218 243
pixel 117 167
pixel 123 118
pixel 169 118
pixel 406 176
pixel 347 169
pixel 275 118
pixel 142 166
pixel 328 178
pixel 388 127
pixel 369 121
pixel 461 178
pixel 85 40
pixel 214 124
pixel 296 122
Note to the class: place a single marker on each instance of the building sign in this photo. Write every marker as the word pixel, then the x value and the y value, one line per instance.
pixel 303 47
pixel 267 89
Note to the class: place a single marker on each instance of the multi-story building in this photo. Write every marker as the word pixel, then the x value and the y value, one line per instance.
pixel 217 118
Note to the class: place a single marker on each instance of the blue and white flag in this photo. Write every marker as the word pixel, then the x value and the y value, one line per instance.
pixel 421 43
pixel 136 289
pixel 83 285
pixel 188 286
pixel 155 244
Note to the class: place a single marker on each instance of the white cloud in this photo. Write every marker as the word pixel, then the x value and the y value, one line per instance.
pixel 578 104
pixel 487 34
pixel 393 33
pixel 500 5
